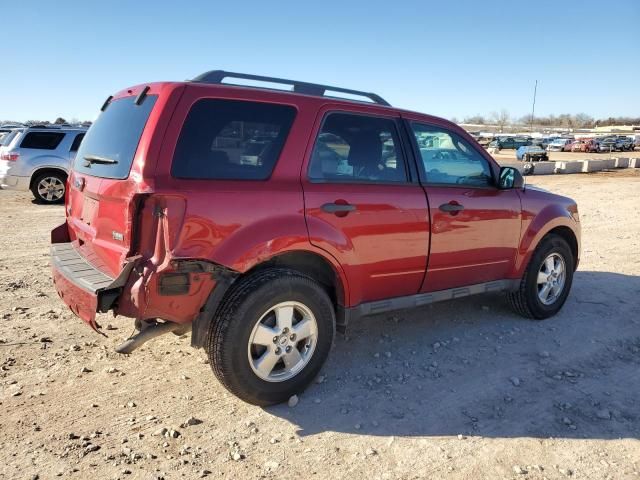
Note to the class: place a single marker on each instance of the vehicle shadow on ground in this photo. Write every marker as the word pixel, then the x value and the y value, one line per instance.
pixel 473 367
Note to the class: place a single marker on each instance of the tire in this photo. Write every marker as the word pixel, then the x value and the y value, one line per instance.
pixel 49 188
pixel 526 301
pixel 242 317
pixel 528 169
pixel 526 158
pixel 545 158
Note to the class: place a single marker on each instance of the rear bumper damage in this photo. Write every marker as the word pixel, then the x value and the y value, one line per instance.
pixel 162 294
pixel 82 287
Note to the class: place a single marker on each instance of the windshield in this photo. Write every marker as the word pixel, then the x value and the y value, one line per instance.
pixel 109 146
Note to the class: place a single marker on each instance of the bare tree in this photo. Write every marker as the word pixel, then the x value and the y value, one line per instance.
pixel 583 120
pixel 501 118
pixel 475 120
pixel 60 121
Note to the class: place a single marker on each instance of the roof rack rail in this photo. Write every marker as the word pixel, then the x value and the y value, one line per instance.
pixel 217 76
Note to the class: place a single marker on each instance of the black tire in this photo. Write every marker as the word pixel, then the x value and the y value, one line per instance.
pixel 230 333
pixel 525 300
pixel 545 158
pixel 55 178
pixel 526 158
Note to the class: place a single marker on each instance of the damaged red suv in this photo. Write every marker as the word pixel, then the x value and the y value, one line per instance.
pixel 264 220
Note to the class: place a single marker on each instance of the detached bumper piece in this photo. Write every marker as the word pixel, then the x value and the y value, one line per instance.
pixel 85 289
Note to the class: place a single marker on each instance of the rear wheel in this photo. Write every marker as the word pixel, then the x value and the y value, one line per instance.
pixel 49 187
pixel 547 280
pixel 271 336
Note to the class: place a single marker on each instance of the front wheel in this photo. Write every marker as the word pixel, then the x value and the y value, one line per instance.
pixel 547 280
pixel 271 336
pixel 49 187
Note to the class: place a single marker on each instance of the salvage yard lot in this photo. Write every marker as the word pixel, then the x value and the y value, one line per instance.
pixel 464 389
pixel 508 157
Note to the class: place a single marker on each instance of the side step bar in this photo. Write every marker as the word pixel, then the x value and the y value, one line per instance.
pixel 421 299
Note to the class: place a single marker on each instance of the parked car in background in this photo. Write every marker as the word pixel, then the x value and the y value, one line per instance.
pixel 586 145
pixel 624 143
pixel 542 142
pixel 560 145
pixel 531 153
pixel 264 255
pixel 610 144
pixel 509 142
pixel 38 159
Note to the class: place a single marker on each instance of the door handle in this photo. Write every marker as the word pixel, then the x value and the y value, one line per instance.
pixel 451 208
pixel 338 208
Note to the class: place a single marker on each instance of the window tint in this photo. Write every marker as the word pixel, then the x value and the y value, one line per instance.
pixel 76 142
pixel 357 148
pixel 42 140
pixel 448 159
pixel 231 140
pixel 114 136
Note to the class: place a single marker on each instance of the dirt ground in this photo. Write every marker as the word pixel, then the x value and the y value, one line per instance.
pixel 462 390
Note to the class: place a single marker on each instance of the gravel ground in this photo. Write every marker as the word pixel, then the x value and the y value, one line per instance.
pixel 463 389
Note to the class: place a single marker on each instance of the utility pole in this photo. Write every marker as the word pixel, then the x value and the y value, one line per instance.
pixel 533 109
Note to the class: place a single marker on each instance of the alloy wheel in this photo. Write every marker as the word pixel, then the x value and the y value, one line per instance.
pixel 551 279
pixel 51 189
pixel 282 342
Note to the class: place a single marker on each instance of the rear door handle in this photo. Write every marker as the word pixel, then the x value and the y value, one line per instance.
pixel 338 208
pixel 451 207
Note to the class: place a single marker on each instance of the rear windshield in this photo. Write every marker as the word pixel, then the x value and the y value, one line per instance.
pixel 113 138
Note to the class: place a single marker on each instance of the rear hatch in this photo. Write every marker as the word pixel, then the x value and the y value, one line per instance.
pixel 107 180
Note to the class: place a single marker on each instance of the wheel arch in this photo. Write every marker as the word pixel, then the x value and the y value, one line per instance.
pixel 42 170
pixel 561 225
pixel 315 266
pixel 570 237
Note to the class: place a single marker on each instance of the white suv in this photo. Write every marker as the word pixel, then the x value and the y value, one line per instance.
pixel 38 159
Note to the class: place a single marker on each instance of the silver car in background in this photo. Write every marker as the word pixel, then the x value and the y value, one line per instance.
pixel 38 159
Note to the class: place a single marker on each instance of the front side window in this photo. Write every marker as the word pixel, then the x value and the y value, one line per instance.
pixel 42 140
pixel 449 159
pixel 357 148
pixel 231 140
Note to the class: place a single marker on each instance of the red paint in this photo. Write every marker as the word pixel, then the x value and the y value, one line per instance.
pixel 396 243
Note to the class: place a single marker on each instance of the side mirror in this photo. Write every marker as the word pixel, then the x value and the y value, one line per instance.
pixel 510 178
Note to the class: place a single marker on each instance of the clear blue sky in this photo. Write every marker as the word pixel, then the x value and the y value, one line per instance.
pixel 449 58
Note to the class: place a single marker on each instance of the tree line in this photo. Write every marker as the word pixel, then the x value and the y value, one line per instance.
pixel 566 120
pixel 57 121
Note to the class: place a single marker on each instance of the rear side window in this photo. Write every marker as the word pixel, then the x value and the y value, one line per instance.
pixel 231 140
pixel 76 142
pixel 110 144
pixel 42 140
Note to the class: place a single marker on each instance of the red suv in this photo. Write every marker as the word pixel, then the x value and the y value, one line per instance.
pixel 264 220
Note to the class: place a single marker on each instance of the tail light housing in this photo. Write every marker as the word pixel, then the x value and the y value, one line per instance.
pixel 10 156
